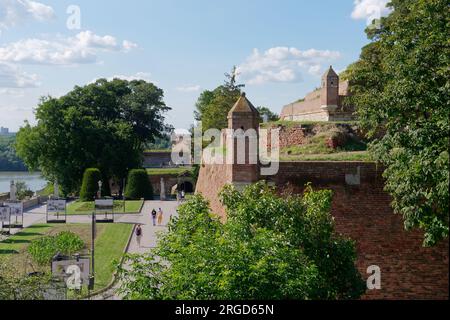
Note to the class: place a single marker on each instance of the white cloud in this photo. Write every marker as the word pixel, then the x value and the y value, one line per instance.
pixel 193 88
pixel 138 76
pixel 14 12
pixel 128 45
pixel 83 48
pixel 370 10
pixel 283 64
pixel 13 78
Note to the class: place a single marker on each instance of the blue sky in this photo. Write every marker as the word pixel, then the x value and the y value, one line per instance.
pixel 280 47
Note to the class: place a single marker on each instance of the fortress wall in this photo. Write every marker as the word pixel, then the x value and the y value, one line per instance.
pixel 211 179
pixel 363 212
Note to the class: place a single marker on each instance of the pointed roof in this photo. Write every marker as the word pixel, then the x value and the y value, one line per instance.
pixel 243 105
pixel 330 73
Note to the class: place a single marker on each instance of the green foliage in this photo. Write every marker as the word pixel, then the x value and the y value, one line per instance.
pixel 271 116
pixel 106 125
pixel 9 161
pixel 68 243
pixel 269 248
pixel 138 185
pixel 401 88
pixel 213 106
pixel 89 188
pixel 22 190
pixel 14 286
pixel 42 250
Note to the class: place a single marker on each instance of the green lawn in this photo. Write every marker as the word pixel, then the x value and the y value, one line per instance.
pixel 168 171
pixel 85 208
pixel 110 244
pixel 340 156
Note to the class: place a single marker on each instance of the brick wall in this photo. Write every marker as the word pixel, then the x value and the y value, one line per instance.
pixel 211 180
pixel 362 212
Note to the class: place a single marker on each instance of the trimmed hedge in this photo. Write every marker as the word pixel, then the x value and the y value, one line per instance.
pixel 89 186
pixel 138 185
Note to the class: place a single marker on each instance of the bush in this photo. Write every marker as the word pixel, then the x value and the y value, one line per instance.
pixel 89 187
pixel 138 185
pixel 42 250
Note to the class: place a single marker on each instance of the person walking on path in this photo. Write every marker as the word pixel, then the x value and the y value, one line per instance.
pixel 160 216
pixel 139 235
pixel 154 217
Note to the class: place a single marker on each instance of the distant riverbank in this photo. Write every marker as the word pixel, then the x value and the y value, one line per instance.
pixel 33 180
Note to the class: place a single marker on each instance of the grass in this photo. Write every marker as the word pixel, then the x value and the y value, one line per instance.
pixel 168 171
pixel 340 156
pixel 85 208
pixel 157 150
pixel 110 244
pixel 290 124
pixel 47 191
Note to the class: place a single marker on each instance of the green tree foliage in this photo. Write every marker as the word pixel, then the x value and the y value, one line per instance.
pixel 271 116
pixel 89 187
pixel 14 286
pixel 401 88
pixel 42 250
pixel 138 185
pixel 22 190
pixel 106 125
pixel 269 248
pixel 213 106
pixel 9 161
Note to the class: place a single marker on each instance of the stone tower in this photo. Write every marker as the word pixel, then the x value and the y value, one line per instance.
pixel 242 141
pixel 330 91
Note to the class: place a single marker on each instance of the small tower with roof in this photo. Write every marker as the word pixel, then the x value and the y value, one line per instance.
pixel 242 142
pixel 330 91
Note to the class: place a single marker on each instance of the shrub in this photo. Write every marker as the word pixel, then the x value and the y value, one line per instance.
pixel 68 243
pixel 89 187
pixel 138 185
pixel 42 250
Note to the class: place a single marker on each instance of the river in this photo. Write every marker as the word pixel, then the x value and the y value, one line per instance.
pixel 33 180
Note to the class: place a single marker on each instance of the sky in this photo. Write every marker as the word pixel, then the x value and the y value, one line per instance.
pixel 280 47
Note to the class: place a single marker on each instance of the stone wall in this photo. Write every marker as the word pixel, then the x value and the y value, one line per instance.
pixel 157 159
pixel 363 213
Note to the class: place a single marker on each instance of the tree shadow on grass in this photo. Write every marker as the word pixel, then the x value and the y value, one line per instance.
pixel 8 251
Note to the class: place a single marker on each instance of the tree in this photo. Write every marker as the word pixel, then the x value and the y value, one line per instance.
pixel 138 185
pixel 89 187
pixel 105 125
pixel 266 112
pixel 400 86
pixel 269 248
pixel 213 106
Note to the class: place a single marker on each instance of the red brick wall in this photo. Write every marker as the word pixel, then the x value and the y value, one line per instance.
pixel 363 213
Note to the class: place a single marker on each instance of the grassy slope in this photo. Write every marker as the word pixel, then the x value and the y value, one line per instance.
pixel 85 208
pixel 168 171
pixel 109 246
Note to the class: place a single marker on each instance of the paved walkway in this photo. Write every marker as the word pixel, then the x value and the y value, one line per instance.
pixel 149 235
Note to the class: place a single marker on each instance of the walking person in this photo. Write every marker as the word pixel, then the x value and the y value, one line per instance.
pixel 154 217
pixel 183 195
pixel 139 235
pixel 160 216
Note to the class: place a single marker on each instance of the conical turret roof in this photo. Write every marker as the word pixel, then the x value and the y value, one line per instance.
pixel 330 73
pixel 243 105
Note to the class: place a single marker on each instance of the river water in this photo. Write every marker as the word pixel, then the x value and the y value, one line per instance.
pixel 33 180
